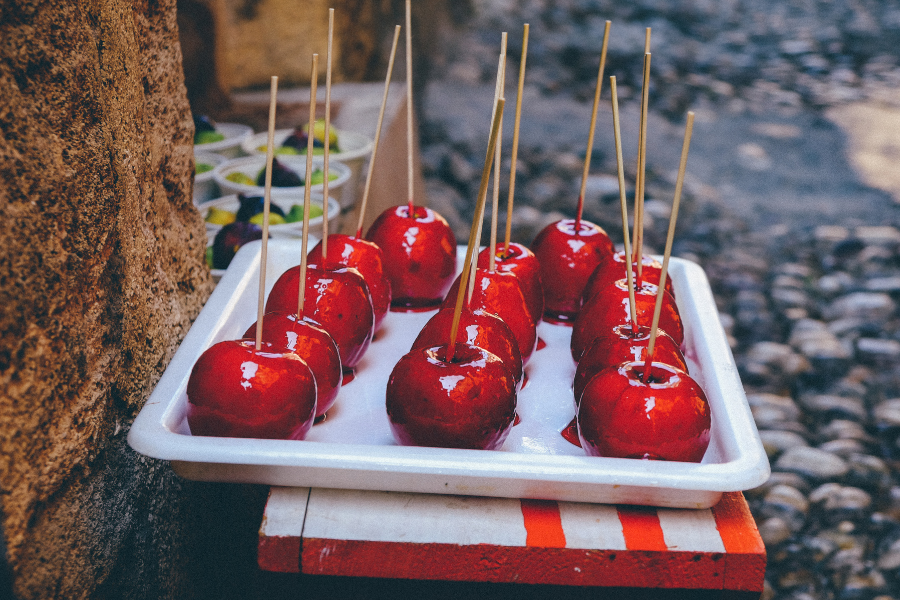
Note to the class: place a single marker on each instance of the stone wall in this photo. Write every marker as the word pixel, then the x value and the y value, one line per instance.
pixel 101 274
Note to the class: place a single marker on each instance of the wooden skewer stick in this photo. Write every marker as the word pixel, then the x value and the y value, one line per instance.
pixel 409 110
pixel 309 156
pixel 495 207
pixel 621 168
pixel 327 138
pixel 676 203
pixel 515 144
pixel 641 173
pixel 479 215
pixel 498 93
pixel 590 144
pixel 387 86
pixel 267 200
pixel 639 204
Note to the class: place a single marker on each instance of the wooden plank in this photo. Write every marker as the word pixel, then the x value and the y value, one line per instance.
pixel 460 538
pixel 281 531
pixel 745 558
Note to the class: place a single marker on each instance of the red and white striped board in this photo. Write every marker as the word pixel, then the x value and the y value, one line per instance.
pixel 466 538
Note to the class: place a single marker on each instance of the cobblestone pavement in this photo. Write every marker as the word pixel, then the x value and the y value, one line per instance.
pixel 790 207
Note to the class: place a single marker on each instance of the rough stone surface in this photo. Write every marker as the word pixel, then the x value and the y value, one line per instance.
pixel 101 274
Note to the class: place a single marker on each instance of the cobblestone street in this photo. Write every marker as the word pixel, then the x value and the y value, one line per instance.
pixel 791 207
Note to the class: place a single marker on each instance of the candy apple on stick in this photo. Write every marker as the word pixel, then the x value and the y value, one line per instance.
pixel 620 303
pixel 646 412
pixel 676 203
pixel 246 388
pixel 569 250
pixel 614 270
pixel 666 417
pixel 418 245
pixel 516 258
pixel 492 290
pixel 476 328
pixel 623 344
pixel 336 297
pixel 354 251
pixel 304 336
pixel 613 307
pixel 454 395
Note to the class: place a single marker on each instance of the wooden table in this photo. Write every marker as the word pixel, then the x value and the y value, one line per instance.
pixel 408 536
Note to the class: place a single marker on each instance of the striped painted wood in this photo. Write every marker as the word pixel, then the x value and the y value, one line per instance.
pixel 467 538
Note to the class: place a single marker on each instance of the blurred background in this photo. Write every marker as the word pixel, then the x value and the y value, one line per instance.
pixel 791 199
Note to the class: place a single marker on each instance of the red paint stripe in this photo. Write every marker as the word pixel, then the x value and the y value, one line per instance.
pixel 736 525
pixel 279 554
pixel 543 525
pixel 641 528
pixel 745 558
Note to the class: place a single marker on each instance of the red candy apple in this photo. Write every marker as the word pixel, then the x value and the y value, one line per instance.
pixel 468 402
pixel 623 345
pixel 612 307
pixel 501 294
pixel 306 339
pixel 521 262
pixel 610 272
pixel 338 299
pixel 365 257
pixel 476 328
pixel 236 391
pixel 419 255
pixel 567 258
pixel 666 418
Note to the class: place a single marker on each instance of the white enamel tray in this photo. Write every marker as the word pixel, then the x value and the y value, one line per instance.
pixel 354 449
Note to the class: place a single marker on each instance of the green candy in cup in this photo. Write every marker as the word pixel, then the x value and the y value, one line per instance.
pixel 295 215
pixel 208 137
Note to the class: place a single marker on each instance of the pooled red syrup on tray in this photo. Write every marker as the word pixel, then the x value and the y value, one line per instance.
pixel 349 375
pixel 414 309
pixel 517 420
pixel 524 381
pixel 570 433
pixel 541 344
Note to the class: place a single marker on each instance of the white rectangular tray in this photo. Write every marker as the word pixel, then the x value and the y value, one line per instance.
pixel 354 448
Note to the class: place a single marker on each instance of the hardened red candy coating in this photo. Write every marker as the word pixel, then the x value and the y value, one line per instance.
pixel 236 391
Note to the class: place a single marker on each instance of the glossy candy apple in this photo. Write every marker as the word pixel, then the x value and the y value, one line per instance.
pixel 365 257
pixel 419 255
pixel 236 391
pixel 468 402
pixel 623 345
pixel 501 294
pixel 568 257
pixel 521 262
pixel 338 299
pixel 611 308
pixel 666 418
pixel 612 271
pixel 306 338
pixel 476 328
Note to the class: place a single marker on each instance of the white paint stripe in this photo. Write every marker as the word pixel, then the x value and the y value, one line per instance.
pixel 690 530
pixel 413 518
pixel 285 511
pixel 591 526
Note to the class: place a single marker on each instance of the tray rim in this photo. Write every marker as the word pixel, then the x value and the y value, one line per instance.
pixel 151 436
